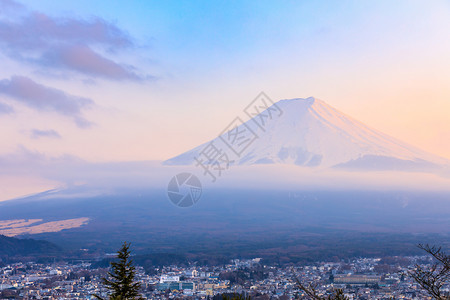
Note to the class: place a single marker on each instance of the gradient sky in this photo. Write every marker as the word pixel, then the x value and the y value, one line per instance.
pixel 147 80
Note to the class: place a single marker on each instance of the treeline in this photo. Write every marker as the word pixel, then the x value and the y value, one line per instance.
pixel 157 260
pixel 242 275
pixel 14 249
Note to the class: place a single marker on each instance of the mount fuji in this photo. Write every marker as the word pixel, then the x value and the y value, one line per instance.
pixel 283 208
pixel 310 133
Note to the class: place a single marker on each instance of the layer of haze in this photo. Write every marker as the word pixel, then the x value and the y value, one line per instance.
pixel 81 179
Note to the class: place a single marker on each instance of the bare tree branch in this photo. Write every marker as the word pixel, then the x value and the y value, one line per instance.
pixel 433 278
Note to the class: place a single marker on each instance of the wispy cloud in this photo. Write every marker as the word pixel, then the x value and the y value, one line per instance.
pixel 5 109
pixel 84 60
pixel 37 134
pixel 67 43
pixel 44 98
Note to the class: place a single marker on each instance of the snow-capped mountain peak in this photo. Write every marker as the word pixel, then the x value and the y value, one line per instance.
pixel 309 132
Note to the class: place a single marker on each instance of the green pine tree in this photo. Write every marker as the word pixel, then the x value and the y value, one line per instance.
pixel 121 282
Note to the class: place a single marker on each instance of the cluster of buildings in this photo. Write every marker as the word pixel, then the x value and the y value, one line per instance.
pixel 367 278
pixel 41 281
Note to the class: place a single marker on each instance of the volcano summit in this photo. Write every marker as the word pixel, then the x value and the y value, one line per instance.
pixel 311 133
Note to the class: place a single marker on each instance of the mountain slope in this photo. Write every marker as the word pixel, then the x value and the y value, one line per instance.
pixel 10 246
pixel 311 133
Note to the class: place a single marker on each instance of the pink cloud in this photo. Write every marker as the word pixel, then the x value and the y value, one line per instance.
pixel 44 98
pixel 66 44
pixel 84 60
